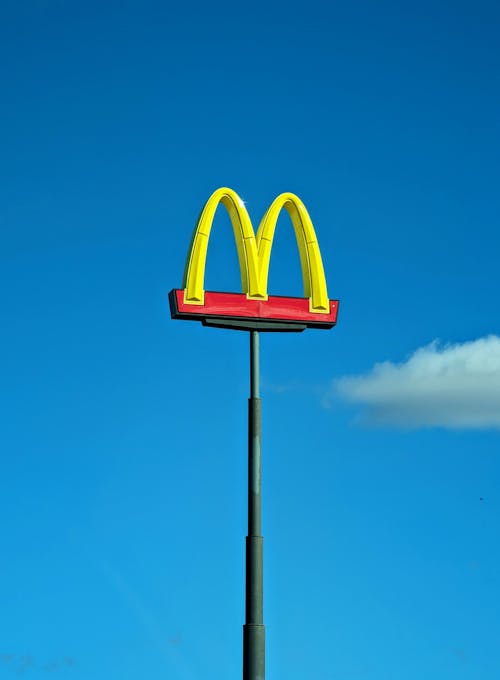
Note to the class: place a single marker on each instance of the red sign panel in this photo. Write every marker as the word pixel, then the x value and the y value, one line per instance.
pixel 236 306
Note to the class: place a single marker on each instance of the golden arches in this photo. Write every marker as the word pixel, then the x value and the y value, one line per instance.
pixel 254 253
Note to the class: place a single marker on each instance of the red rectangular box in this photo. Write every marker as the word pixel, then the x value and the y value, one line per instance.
pixel 235 307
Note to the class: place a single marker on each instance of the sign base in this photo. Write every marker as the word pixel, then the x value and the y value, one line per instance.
pixel 236 312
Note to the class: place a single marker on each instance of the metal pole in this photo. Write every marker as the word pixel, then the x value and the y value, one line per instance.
pixel 253 630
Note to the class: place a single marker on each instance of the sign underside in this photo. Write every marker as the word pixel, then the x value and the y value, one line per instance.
pixel 236 311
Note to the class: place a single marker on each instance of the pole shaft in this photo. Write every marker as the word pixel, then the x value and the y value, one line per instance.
pixel 253 630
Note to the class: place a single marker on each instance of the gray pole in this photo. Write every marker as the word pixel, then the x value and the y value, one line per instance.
pixel 253 630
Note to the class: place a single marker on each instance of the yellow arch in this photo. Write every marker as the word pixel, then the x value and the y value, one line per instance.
pixel 254 253
pixel 194 273
pixel 313 274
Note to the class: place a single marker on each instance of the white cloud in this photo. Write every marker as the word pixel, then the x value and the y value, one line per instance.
pixel 454 386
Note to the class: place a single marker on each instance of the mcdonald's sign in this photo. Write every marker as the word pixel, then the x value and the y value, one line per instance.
pixel 253 308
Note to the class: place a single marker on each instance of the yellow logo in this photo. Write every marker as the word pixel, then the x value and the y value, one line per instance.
pixel 254 252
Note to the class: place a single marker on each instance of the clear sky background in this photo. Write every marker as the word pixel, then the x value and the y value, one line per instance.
pixel 123 433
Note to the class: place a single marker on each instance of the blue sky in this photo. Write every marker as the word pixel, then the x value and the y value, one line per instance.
pixel 123 433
